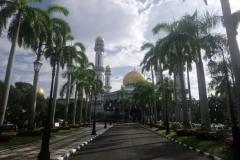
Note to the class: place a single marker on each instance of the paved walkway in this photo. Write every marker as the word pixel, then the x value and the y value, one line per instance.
pixel 123 142
pixel 58 146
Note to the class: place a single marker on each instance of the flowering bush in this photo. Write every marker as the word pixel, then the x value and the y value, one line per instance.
pixel 228 142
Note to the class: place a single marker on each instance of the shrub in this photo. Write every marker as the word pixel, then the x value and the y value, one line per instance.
pixel 228 142
pixel 74 126
pixel 227 124
pixel 64 128
pixel 5 138
pixel 29 133
pixel 221 134
pixel 184 132
pixel 52 130
pixel 174 126
pixel 204 135
pixel 161 127
pixel 84 125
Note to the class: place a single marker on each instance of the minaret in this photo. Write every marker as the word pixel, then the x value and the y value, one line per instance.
pixel 108 74
pixel 99 49
pixel 157 74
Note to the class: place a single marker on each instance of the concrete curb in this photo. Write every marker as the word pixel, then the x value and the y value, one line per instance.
pixel 77 148
pixel 185 145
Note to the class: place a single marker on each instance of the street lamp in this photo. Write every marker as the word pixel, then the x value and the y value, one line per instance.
pixel 44 153
pixel 94 118
pixel 37 65
pixel 235 129
pixel 105 121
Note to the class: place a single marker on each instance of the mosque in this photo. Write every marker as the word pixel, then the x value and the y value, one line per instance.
pixel 111 103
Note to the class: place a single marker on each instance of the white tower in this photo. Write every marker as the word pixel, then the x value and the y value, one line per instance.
pixel 99 49
pixel 108 74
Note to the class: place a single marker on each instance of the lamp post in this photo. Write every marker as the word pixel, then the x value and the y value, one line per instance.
pixel 70 69
pixel 37 67
pixel 235 129
pixel 44 153
pixel 94 118
pixel 105 121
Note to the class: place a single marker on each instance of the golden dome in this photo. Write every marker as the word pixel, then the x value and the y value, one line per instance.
pixel 40 90
pixel 108 67
pixel 99 39
pixel 122 87
pixel 133 77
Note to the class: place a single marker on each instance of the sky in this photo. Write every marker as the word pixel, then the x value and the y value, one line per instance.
pixel 124 24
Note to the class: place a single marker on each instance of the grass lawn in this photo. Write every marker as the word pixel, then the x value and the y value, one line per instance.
pixel 216 148
pixel 17 141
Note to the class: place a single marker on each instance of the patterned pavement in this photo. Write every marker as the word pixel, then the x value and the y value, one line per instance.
pixel 58 146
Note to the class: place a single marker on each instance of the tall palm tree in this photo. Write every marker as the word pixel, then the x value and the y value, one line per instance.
pixel 149 61
pixel 96 86
pixel 122 93
pixel 79 79
pixel 141 93
pixel 174 43
pixel 21 14
pixel 199 28
pixel 233 47
pixel 57 24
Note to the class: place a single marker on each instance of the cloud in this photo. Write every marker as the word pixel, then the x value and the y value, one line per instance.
pixel 124 24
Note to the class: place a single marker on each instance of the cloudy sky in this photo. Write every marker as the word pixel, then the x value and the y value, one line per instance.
pixel 124 24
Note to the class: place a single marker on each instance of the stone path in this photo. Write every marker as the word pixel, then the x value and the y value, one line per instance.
pixel 58 146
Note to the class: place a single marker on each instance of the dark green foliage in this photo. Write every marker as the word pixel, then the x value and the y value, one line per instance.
pixel 5 138
pixel 74 126
pixel 64 128
pixel 184 132
pixel 205 135
pixel 52 130
pixel 19 103
pixel 29 133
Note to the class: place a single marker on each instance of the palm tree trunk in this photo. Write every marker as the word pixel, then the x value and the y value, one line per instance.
pixel 154 98
pixel 163 93
pixel 176 99
pixel 233 47
pixel 183 92
pixel 31 120
pixel 205 118
pixel 80 108
pixel 85 121
pixel 75 106
pixel 8 76
pixel 54 102
pixel 190 96
pixel 67 100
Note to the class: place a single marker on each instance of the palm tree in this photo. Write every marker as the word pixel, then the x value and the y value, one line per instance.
pixel 236 19
pixel 57 24
pixel 122 93
pixel 233 47
pixel 150 61
pixel 79 77
pixel 175 43
pixel 96 86
pixel 22 15
pixel 141 94
pixel 199 28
